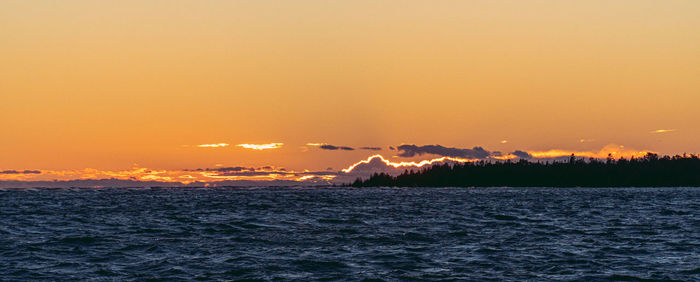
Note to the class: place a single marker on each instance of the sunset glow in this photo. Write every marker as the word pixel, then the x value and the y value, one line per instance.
pixel 349 140
pixel 91 89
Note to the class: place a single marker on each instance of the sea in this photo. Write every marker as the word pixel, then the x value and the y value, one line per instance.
pixel 342 233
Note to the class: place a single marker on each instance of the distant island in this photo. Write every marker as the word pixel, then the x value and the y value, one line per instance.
pixel 648 171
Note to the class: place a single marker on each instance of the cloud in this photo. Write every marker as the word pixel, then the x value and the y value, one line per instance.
pixel 504 141
pixel 332 147
pixel 379 161
pixel 175 177
pixel 261 146
pixel 362 168
pixel 662 131
pixel 213 145
pixel 224 169
pixel 326 146
pixel 248 173
pixel 315 144
pixel 521 154
pixel 277 172
pixel 408 151
pixel 261 173
pixel 269 173
pixel 20 172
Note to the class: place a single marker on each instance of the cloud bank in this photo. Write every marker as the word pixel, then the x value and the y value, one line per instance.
pixel 362 168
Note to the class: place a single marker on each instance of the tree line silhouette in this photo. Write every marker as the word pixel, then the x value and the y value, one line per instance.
pixel 648 171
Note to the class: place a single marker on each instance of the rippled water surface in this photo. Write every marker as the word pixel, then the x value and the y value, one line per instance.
pixel 351 233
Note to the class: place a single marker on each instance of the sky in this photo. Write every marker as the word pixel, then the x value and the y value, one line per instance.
pixel 115 86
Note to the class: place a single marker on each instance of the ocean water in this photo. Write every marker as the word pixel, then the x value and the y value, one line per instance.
pixel 351 233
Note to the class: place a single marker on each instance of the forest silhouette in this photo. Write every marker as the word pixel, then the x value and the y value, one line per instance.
pixel 648 171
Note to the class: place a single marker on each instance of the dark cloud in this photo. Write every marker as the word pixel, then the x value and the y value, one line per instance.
pixel 20 172
pixel 224 169
pixel 325 146
pixel 522 154
pixel 332 147
pixel 392 148
pixel 318 173
pixel 266 173
pixel 249 173
pixel 408 151
pixel 234 168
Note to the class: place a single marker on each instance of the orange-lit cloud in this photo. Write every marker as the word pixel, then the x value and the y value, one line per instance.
pixel 405 164
pixel 263 173
pixel 172 176
pixel 213 145
pixel 261 146
pixel 315 144
pixel 305 177
pixel 504 141
pixel 616 151
pixel 135 173
pixel 505 157
pixel 662 131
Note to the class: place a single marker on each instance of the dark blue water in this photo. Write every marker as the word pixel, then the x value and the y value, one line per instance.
pixel 350 233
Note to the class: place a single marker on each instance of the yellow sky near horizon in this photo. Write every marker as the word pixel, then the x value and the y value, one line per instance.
pixel 110 84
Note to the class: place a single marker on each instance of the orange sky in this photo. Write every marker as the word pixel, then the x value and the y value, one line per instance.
pixel 113 84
